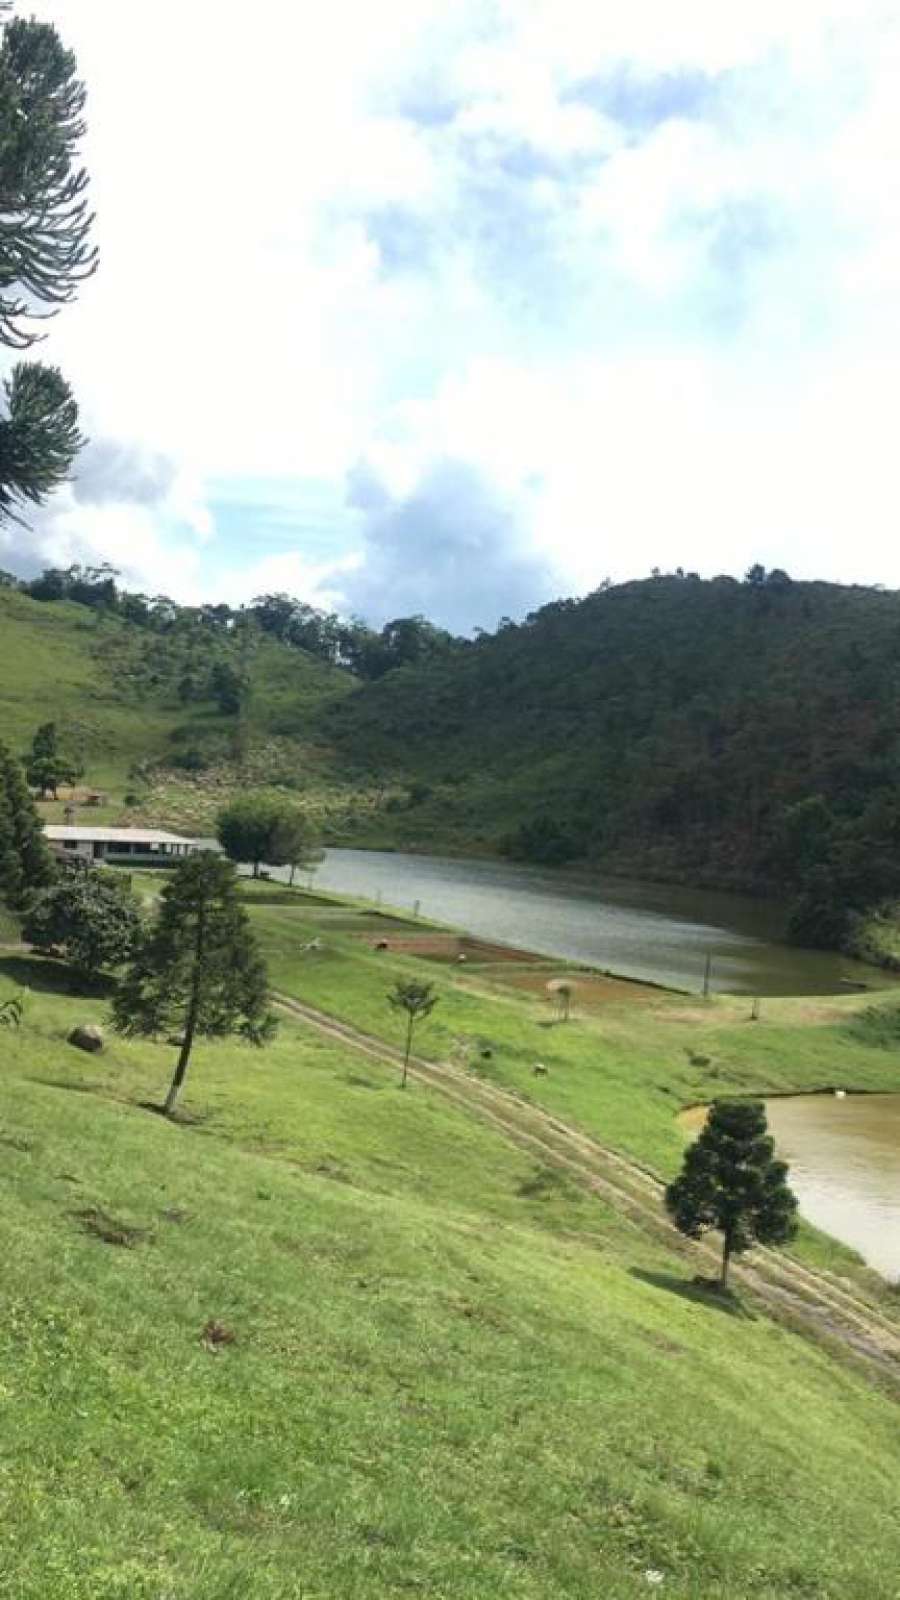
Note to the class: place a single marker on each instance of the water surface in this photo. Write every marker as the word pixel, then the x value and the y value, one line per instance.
pixel 844 1156
pixel 654 931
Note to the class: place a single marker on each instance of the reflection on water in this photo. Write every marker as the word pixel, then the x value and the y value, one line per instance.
pixel 654 931
pixel 844 1156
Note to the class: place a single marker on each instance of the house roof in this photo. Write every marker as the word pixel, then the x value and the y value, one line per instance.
pixel 148 836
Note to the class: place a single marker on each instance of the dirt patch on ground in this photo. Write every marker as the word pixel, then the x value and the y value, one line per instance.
pixel 589 992
pixel 454 948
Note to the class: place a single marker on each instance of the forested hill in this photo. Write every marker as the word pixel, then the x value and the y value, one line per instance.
pixel 743 733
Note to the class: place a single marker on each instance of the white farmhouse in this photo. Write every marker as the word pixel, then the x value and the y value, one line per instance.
pixel 137 847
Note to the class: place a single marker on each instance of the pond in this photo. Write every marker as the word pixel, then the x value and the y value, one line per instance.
pixel 844 1156
pixel 659 932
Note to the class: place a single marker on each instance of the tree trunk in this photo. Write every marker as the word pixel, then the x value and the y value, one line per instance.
pixel 256 869
pixel 726 1257
pixel 190 1026
pixel 184 1057
pixel 293 870
pixel 409 1029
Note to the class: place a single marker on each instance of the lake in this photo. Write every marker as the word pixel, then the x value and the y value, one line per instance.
pixel 659 932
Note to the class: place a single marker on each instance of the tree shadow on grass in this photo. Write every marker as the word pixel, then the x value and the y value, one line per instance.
pixel 179 1117
pixel 46 975
pixel 76 1086
pixel 698 1293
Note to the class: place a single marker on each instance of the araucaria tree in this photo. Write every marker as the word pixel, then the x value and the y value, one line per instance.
pixel 731 1181
pixel 198 970
pixel 25 861
pixel 45 252
pixel 418 1001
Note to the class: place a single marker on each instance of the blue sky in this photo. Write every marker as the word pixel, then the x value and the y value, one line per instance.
pixel 456 307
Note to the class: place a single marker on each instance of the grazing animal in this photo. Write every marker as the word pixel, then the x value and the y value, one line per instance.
pixel 697 1060
pixel 539 1070
pixel 382 944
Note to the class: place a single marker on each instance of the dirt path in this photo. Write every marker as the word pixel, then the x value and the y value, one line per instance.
pixel 815 1302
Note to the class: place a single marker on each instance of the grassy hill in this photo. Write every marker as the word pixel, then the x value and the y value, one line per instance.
pixel 113 689
pixel 326 1338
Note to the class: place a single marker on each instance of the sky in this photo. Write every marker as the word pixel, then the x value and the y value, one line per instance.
pixel 457 306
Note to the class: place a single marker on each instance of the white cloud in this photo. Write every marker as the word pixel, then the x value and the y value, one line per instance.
pixel 635 265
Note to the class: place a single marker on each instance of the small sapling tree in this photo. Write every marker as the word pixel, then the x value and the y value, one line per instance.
pixel 731 1181
pixel 561 991
pixel 418 1001
pixel 11 1012
pixel 199 970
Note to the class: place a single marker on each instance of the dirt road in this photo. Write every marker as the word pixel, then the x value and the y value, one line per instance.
pixel 836 1313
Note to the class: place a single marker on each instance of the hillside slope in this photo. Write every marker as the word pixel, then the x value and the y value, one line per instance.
pixel 666 726
pixel 128 700
pixel 331 1339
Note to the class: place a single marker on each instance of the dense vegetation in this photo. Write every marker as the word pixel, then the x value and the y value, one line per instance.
pixel 732 734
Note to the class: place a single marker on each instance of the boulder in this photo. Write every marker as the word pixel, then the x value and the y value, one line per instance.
pixel 87 1036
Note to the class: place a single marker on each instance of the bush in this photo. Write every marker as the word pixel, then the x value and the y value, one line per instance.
pixel 878 1026
pixel 90 914
pixel 543 841
pixel 191 760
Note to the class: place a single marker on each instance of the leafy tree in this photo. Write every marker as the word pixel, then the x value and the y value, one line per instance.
pixel 294 841
pixel 542 840
pixel 731 1181
pixel 198 970
pixel 25 861
pixel 418 1001
pixel 91 915
pixel 819 916
pixel 227 687
pixel 264 827
pixel 47 766
pixel 44 251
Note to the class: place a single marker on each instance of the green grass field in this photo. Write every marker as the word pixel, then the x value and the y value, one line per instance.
pixel 452 1373
pixel 111 689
